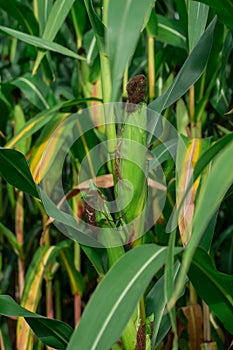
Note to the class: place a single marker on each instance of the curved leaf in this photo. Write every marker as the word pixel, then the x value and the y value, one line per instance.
pixel 22 13
pixel 224 10
pixel 51 332
pixel 14 169
pixel 53 24
pixel 212 192
pixel 197 18
pixel 189 73
pixel 116 297
pixel 32 291
pixel 41 43
pixel 214 287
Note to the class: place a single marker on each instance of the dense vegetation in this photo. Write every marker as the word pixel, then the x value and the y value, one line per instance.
pixel 156 273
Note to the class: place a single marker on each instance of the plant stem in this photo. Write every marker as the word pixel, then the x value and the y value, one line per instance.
pixel 105 12
pixel 49 298
pixel 125 81
pixel 192 109
pixel 77 296
pixel 206 323
pixel 192 294
pixel 77 308
pixel 57 295
pixel 19 222
pixel 151 67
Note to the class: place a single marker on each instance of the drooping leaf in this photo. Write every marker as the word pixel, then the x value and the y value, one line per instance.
pixel 53 24
pixel 167 30
pixel 40 43
pixel 14 169
pixel 51 332
pixel 22 13
pixel 34 89
pixel 214 287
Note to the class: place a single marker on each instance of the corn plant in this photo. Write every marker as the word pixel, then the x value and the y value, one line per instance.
pixel 116 174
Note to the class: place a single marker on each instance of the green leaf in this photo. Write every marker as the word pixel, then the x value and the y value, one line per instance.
pixel 197 18
pixel 41 43
pixel 34 89
pixel 124 24
pixel 116 297
pixel 53 24
pixel 79 18
pixel 211 195
pixel 77 283
pixel 41 119
pixel 224 10
pixel 5 336
pixel 14 169
pixel 170 31
pixel 51 332
pixel 214 287
pixel 201 164
pixel 189 73
pixel 97 25
pixel 10 237
pixel 156 304
pixel 43 9
pixel 32 289
pixel 22 13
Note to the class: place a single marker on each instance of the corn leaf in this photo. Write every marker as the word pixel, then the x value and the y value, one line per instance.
pixel 14 169
pixel 117 296
pixel 53 24
pixel 51 332
pixel 189 73
pixel 214 287
pixel 211 196
pixel 224 10
pixel 40 43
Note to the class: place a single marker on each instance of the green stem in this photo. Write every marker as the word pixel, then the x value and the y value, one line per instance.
pixel 105 12
pixel 125 81
pixel 57 296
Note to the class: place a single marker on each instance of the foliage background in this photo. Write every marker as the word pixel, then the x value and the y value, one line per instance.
pixel 43 83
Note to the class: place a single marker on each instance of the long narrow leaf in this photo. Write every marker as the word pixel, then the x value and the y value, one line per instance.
pixel 189 73
pixel 116 297
pixel 22 13
pixel 214 287
pixel 14 169
pixel 54 22
pixel 32 291
pixel 41 43
pixel 197 18
pixel 223 9
pixel 51 332
pixel 125 22
pixel 213 191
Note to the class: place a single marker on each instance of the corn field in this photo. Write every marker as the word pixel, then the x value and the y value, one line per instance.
pixel 116 173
